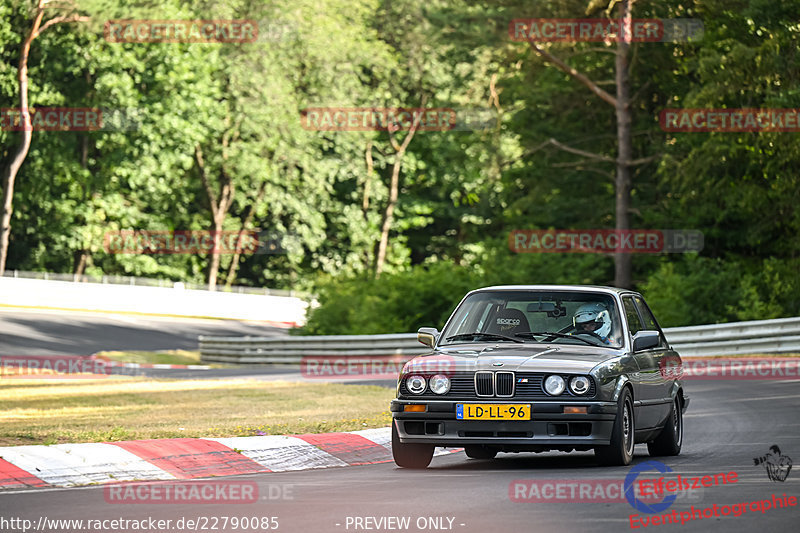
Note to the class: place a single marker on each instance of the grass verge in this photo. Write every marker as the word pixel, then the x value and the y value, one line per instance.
pixel 55 411
pixel 168 357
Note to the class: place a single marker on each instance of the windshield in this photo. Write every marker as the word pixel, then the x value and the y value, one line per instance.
pixel 554 317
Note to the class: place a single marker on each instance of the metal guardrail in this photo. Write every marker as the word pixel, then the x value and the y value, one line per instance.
pixel 780 335
pixel 292 349
pixel 764 336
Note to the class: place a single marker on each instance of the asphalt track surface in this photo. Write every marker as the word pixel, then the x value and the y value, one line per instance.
pixel 33 332
pixel 728 424
pixel 25 332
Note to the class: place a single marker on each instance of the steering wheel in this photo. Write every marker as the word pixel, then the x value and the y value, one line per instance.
pixel 573 330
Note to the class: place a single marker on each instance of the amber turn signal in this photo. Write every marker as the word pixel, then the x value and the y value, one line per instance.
pixel 414 408
pixel 573 409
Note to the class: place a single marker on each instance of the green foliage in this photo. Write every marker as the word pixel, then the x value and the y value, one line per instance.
pixel 700 290
pixel 420 296
pixel 425 295
pixel 461 192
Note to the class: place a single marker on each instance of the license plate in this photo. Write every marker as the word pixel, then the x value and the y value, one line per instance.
pixel 489 411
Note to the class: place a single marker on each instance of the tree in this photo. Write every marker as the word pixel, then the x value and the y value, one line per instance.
pixel 622 106
pixel 9 173
pixel 388 214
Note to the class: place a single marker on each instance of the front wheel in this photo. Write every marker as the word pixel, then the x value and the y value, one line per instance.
pixel 670 440
pixel 410 455
pixel 620 450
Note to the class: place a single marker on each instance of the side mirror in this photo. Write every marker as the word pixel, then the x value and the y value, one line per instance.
pixel 428 336
pixel 645 339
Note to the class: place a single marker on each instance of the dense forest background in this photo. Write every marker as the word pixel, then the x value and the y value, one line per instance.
pixel 216 121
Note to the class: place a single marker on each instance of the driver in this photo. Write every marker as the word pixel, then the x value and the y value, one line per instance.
pixel 593 319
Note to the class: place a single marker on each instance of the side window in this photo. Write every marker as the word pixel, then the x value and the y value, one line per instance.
pixel 649 319
pixel 634 322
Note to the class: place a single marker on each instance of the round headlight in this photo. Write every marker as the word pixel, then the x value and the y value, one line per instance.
pixel 554 385
pixel 415 384
pixel 440 384
pixel 579 385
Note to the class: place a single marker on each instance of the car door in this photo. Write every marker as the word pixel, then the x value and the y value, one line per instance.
pixel 648 398
pixel 661 354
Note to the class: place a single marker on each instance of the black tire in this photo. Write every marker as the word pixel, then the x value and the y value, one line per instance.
pixel 623 436
pixel 670 440
pixel 410 455
pixel 476 451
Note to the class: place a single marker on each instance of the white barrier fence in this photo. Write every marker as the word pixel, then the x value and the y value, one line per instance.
pixel 764 336
pixel 115 279
pixel 173 301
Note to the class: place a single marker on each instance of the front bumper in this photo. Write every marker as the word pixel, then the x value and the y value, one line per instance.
pixel 549 427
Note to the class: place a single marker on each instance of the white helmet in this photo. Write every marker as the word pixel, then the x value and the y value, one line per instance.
pixel 595 313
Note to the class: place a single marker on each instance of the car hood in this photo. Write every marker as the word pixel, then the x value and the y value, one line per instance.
pixel 518 358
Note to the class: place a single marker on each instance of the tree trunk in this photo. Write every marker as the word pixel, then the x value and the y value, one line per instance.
pixel 622 261
pixel 80 258
pixel 213 267
pixel 248 219
pixel 219 204
pixel 368 179
pixel 19 155
pixel 622 106
pixel 388 214
pixel 9 173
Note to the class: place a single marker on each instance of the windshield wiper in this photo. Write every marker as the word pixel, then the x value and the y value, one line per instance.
pixel 554 334
pixel 481 334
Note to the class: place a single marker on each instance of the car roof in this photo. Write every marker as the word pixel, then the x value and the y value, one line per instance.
pixel 575 288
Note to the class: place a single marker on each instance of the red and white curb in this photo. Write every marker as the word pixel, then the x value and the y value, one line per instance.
pixel 68 465
pixel 162 366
